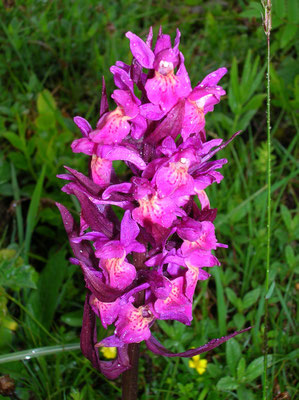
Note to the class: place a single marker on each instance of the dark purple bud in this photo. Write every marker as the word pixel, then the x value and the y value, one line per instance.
pixel 94 282
pixel 171 125
pixel 82 179
pixel 91 214
pixel 104 107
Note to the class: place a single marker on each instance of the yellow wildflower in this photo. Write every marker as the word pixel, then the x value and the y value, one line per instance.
pixel 198 364
pixel 108 352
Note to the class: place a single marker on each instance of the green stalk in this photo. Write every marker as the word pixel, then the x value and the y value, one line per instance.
pixel 267 28
pixel 38 352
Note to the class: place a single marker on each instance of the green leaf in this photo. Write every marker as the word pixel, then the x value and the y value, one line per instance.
pixel 167 328
pixel 14 139
pixel 290 256
pixel 239 320
pixel 45 102
pixel 45 121
pixel 251 298
pixel 213 395
pixel 233 90
pixel 293 11
pixel 18 208
pixel 92 30
pixel 246 74
pixel 227 383
pixel 256 367
pixel 255 102
pixel 6 336
pixel 245 394
pixel 14 273
pixel 233 354
pixel 19 160
pixel 221 306
pixel 32 212
pixel 45 300
pixel 246 118
pixel 241 368
pixel 270 291
pixel 232 297
pixel 254 10
pixel 288 32
pixel 73 318
pixel 256 78
pixel 286 216
pixel 49 285
pixel 214 370
pixel 279 8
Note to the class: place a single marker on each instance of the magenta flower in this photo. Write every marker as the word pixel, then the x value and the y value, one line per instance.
pixel 166 87
pixel 200 101
pixel 145 267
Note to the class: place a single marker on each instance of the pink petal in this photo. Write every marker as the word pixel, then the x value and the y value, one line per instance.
pixel 132 326
pixel 138 126
pixel 124 98
pixel 163 42
pixel 140 50
pixel 129 229
pixel 203 198
pixel 100 170
pixel 83 125
pixel 121 273
pixel 115 128
pixel 83 145
pixel 108 312
pixel 176 306
pixel 214 77
pixel 166 90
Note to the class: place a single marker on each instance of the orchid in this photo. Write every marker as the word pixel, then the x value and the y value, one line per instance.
pixel 145 267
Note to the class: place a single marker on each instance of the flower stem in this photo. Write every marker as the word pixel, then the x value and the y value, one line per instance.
pixel 130 377
pixel 267 28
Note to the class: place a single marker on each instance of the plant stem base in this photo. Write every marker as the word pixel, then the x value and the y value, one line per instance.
pixel 130 377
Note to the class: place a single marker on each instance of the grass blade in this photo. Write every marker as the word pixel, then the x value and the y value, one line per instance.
pixel 16 192
pixel 32 212
pixel 38 352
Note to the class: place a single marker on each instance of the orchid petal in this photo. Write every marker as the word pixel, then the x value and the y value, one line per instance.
pixel 121 153
pixel 171 125
pixel 129 229
pixel 140 50
pixel 94 282
pixel 83 125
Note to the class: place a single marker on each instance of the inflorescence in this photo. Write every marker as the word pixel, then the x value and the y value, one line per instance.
pixel 146 267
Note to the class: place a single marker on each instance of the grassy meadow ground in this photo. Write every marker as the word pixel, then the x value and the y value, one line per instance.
pixel 53 56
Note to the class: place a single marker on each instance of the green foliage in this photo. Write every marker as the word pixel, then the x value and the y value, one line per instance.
pixel 14 273
pixel 53 56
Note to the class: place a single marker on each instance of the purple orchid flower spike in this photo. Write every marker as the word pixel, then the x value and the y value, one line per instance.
pixel 146 265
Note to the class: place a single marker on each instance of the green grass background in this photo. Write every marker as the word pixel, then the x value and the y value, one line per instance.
pixel 53 56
